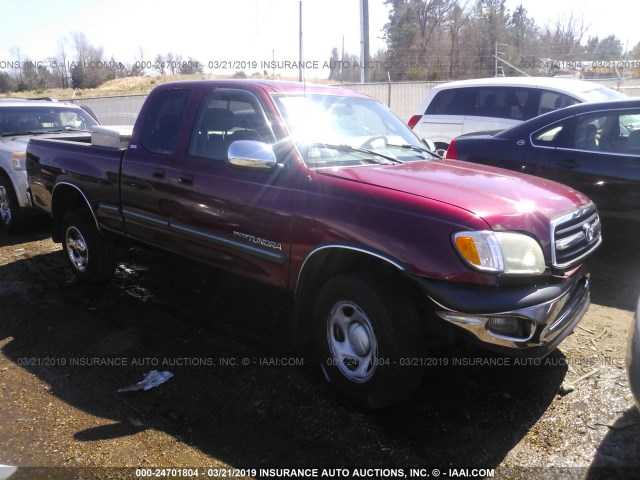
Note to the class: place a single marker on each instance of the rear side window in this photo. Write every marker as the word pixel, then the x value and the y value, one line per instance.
pixel 449 102
pixel 505 102
pixel 550 101
pixel 551 136
pixel 515 103
pixel 160 128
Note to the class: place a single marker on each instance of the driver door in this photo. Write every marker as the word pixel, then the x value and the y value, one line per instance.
pixel 235 218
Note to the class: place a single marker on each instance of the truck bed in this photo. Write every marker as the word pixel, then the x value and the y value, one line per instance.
pixel 93 168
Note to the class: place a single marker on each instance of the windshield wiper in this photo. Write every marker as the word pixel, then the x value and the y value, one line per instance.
pixel 66 129
pixel 41 132
pixel 415 148
pixel 23 132
pixel 349 149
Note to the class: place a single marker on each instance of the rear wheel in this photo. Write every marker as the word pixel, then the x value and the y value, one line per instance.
pixel 366 333
pixel 90 254
pixel 10 215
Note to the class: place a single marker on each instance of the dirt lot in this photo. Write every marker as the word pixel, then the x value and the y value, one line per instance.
pixel 243 398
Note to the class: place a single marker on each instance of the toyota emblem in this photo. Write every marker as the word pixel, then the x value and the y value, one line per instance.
pixel 588 231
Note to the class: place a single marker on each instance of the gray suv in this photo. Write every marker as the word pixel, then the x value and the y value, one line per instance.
pixel 21 120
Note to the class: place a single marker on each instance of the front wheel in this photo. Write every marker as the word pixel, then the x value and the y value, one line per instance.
pixel 364 332
pixel 10 215
pixel 90 254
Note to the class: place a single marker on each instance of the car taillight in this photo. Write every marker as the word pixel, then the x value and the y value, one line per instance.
pixel 414 120
pixel 452 151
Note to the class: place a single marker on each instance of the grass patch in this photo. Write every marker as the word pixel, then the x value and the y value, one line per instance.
pixel 125 86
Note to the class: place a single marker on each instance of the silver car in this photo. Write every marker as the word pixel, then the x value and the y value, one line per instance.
pixel 21 120
pixel 634 357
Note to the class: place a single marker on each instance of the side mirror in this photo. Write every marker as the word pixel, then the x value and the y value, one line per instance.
pixel 429 143
pixel 251 154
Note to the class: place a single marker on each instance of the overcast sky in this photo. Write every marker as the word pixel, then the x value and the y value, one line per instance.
pixel 243 30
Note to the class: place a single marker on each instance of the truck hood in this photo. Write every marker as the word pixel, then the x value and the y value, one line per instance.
pixel 498 196
pixel 15 144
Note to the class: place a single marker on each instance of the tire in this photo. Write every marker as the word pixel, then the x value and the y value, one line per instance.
pixel 90 254
pixel 364 332
pixel 441 148
pixel 10 214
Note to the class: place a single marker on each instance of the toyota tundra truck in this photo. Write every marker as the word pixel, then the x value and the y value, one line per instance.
pixel 325 193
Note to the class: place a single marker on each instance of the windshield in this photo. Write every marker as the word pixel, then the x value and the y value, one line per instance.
pixel 32 120
pixel 337 131
pixel 602 94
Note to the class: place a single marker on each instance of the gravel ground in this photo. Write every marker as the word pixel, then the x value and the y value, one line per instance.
pixel 243 399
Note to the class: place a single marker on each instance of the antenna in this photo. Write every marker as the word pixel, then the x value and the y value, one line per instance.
pixel 364 41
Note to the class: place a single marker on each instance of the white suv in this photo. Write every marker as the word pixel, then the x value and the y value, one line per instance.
pixel 466 106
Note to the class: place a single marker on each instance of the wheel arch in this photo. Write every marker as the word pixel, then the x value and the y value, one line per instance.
pixel 5 174
pixel 65 198
pixel 328 260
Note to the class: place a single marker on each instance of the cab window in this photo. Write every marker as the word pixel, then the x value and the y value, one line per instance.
pixel 226 116
pixel 160 128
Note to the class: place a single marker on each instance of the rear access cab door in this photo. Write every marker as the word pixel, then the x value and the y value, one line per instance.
pixel 147 164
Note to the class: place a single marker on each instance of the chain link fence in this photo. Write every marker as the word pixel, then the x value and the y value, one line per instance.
pixel 402 98
pixel 122 110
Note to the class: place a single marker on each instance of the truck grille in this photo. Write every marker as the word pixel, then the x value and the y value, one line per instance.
pixel 574 236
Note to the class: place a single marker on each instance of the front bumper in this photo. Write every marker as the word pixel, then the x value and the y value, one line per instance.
pixel 537 321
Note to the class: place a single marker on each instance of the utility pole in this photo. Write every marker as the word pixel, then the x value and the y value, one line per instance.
pixel 496 57
pixel 300 46
pixel 502 60
pixel 364 41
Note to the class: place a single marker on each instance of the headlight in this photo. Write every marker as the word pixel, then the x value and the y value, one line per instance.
pixel 500 252
pixel 19 160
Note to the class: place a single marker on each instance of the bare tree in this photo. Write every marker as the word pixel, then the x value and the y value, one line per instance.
pixel 17 55
pixel 565 38
pixel 430 15
pixel 457 18
pixel 59 64
pixel 140 61
pixel 90 68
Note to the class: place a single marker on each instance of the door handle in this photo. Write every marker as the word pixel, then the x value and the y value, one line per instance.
pixel 567 163
pixel 185 181
pixel 158 174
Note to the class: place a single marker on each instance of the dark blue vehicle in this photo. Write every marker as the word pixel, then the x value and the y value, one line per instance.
pixel 592 147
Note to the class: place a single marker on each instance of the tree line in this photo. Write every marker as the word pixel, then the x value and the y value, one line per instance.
pixel 457 39
pixel 425 40
pixel 79 64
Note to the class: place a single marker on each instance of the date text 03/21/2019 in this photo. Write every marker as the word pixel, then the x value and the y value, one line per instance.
pixel 222 472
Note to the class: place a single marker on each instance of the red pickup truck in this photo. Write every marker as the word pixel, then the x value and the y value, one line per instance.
pixel 325 193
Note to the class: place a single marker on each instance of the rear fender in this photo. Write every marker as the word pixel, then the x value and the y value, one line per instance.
pixel 65 198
